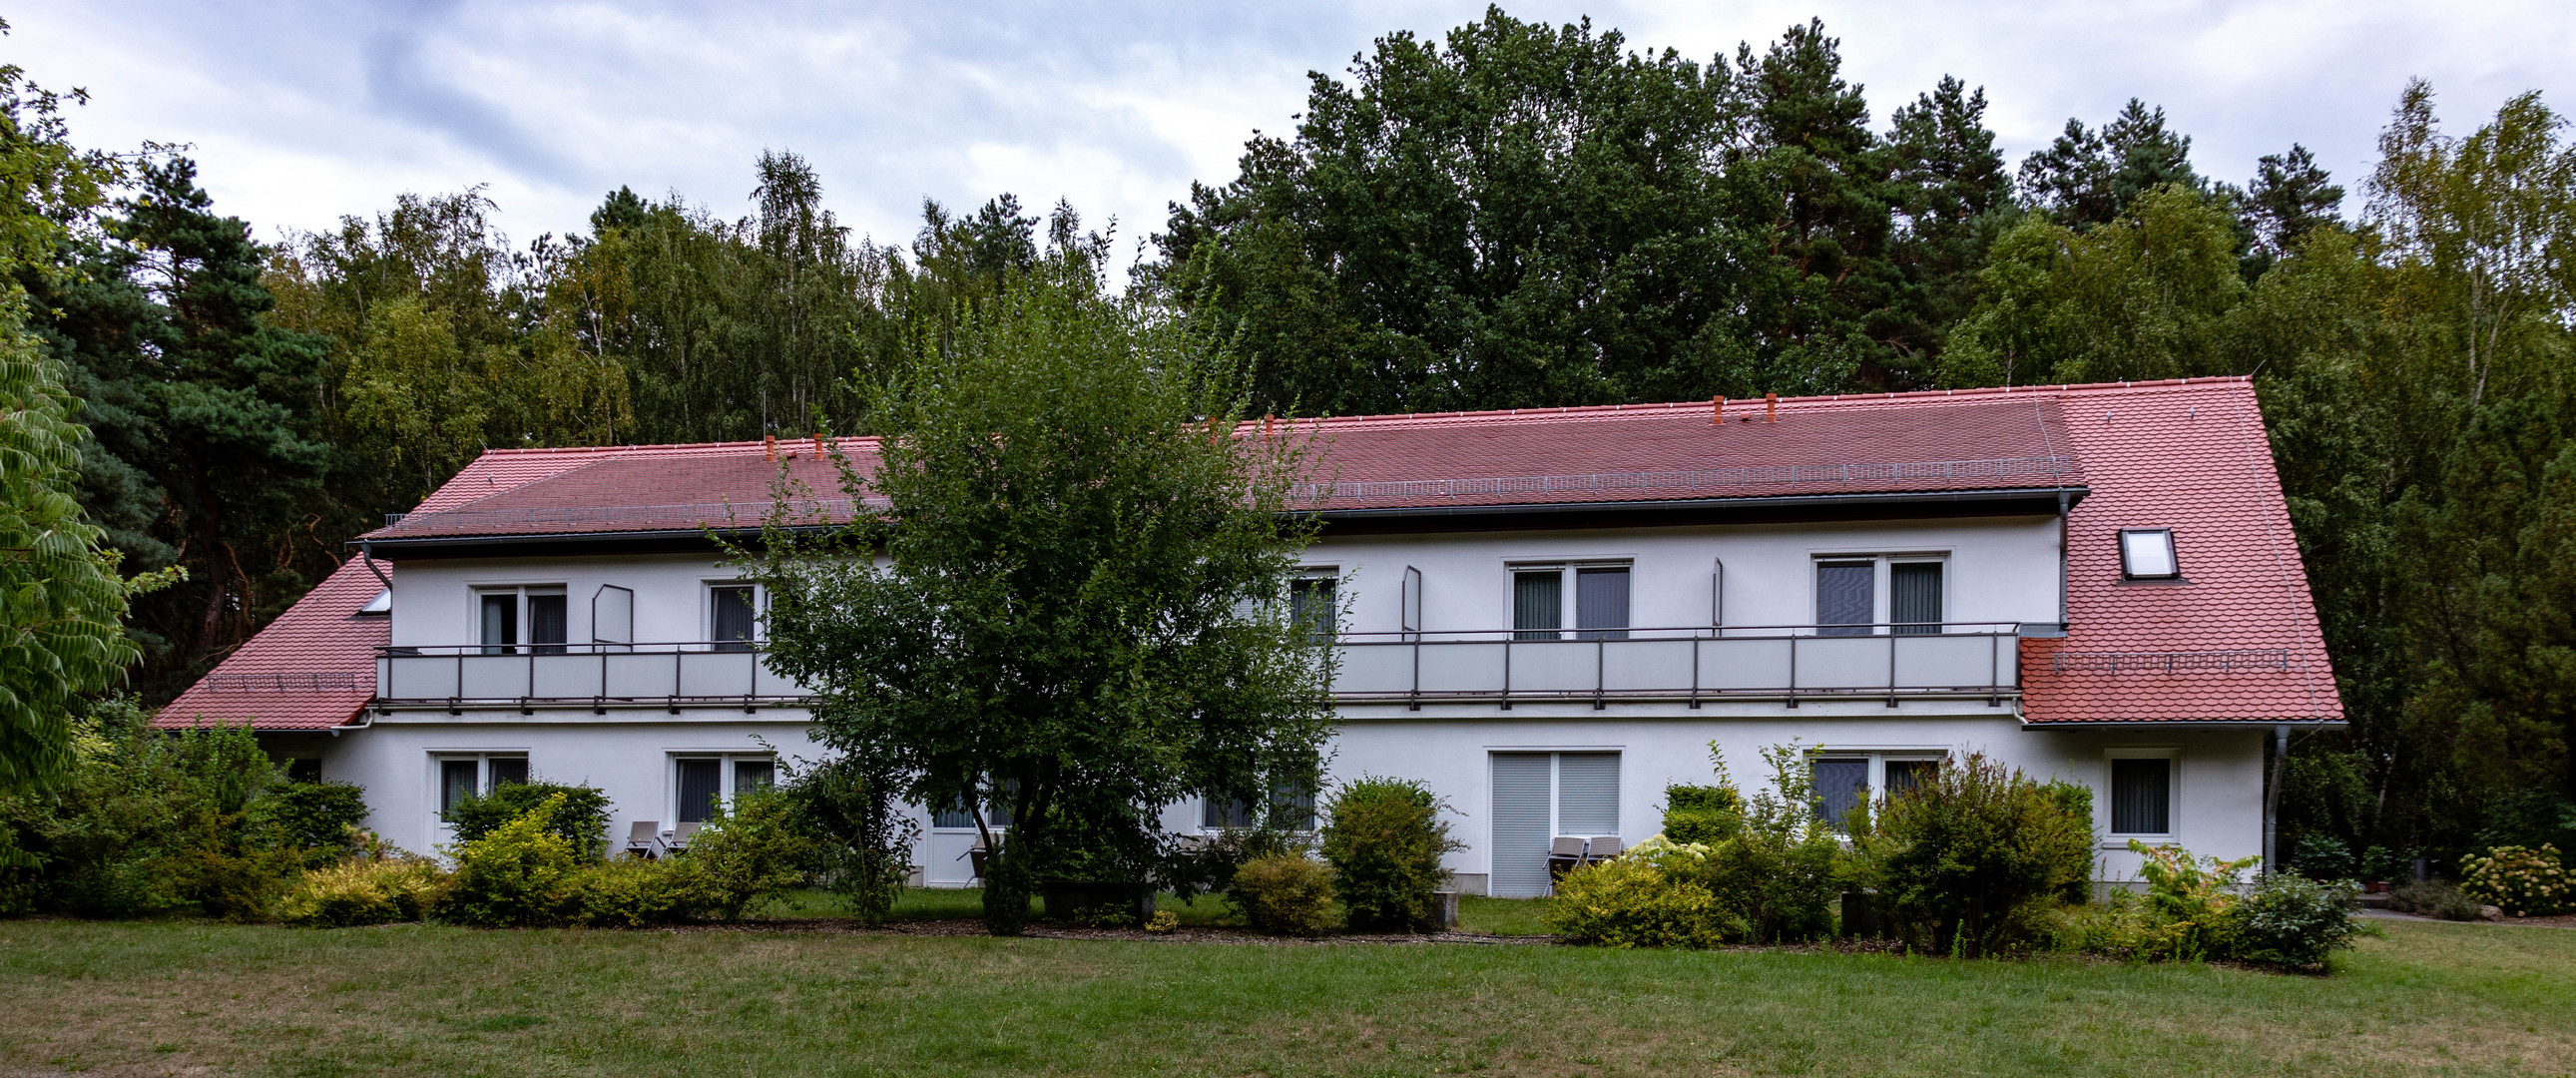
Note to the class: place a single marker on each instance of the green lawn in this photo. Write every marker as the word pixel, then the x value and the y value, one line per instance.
pixel 188 997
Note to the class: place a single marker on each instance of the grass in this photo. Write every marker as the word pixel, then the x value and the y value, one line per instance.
pixel 1476 914
pixel 194 997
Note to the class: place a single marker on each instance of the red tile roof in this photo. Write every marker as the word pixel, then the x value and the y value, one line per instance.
pixel 2236 641
pixel 311 669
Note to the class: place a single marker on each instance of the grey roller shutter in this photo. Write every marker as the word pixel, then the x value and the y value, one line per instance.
pixel 1914 596
pixel 1844 603
pixel 1521 824
pixel 1587 793
pixel 1601 604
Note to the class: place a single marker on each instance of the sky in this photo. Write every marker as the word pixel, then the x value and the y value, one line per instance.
pixel 300 112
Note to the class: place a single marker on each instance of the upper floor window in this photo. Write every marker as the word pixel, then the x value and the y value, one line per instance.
pixel 1600 601
pixel 1847 596
pixel 531 616
pixel 2148 554
pixel 732 611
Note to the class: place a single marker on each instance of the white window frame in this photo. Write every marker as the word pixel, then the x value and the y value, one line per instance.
pixel 438 759
pixel 1566 567
pixel 526 624
pixel 1882 584
pixel 2119 840
pixel 707 611
pixel 725 760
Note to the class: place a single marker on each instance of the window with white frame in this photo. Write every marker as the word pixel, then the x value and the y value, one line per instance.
pixel 1844 779
pixel 1292 806
pixel 1593 596
pixel 1848 595
pixel 957 816
pixel 704 784
pixel 2144 784
pixel 733 615
pixel 531 616
pixel 463 775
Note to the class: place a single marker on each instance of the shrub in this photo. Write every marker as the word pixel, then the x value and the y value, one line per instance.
pixel 1780 871
pixel 580 817
pixel 2519 880
pixel 1635 901
pixel 1210 865
pixel 1972 861
pixel 313 819
pixel 2322 857
pixel 362 891
pixel 1290 894
pixel 748 852
pixel 2288 921
pixel 2433 898
pixel 862 840
pixel 1385 838
pixel 514 874
pixel 628 893
pixel 2190 896
pixel 1700 815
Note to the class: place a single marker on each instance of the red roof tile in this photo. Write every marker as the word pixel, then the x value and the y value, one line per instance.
pixel 311 669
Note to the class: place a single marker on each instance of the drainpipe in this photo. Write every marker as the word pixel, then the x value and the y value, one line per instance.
pixel 2272 799
pixel 367 554
pixel 2061 560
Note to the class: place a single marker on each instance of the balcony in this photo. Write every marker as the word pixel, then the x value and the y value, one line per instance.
pixel 667 675
pixel 1782 662
pixel 1787 663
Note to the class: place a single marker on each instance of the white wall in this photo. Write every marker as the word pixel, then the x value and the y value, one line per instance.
pixel 434 598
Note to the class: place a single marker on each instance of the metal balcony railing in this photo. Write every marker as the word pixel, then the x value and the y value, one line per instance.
pixel 1687 665
pixel 1690 665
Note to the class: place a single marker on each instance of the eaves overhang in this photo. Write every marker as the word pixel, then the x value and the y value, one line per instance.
pixel 566 544
pixel 1760 509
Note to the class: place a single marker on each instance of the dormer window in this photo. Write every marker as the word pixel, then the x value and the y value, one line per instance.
pixel 2148 554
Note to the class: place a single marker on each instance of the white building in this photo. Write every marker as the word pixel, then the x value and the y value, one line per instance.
pixel 1551 615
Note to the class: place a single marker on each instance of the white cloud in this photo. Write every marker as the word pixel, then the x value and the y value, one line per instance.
pixel 302 111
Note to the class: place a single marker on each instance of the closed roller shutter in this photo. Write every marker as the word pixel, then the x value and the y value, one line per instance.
pixel 1521 824
pixel 1587 793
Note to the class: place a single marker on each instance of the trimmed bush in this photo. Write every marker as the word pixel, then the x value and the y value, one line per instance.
pixel 1973 861
pixel 2434 898
pixel 2289 921
pixel 580 817
pixel 316 820
pixel 2519 880
pixel 1290 894
pixel 1635 901
pixel 515 874
pixel 1701 815
pixel 747 853
pixel 628 893
pixel 1384 838
pixel 363 891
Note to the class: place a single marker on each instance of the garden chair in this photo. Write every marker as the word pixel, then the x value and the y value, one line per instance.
pixel 1603 848
pixel 1562 856
pixel 643 839
pixel 678 840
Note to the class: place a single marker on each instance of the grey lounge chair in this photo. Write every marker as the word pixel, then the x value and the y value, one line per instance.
pixel 1603 848
pixel 643 839
pixel 678 840
pixel 1562 856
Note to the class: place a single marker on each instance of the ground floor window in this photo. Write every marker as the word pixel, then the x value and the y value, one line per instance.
pixel 1843 780
pixel 1292 806
pixel 1539 797
pixel 2142 793
pixel 705 784
pixel 463 775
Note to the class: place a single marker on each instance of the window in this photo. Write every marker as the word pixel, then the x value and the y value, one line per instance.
pixel 1292 805
pixel 1906 776
pixel 2148 554
pixel 1311 604
pixel 304 770
pixel 997 812
pixel 1538 603
pixel 1539 796
pixel 2142 795
pixel 1601 602
pixel 461 776
pixel 1914 597
pixel 707 783
pixel 730 610
pixel 533 617
pixel 1841 783
pixel 1845 778
pixel 1846 597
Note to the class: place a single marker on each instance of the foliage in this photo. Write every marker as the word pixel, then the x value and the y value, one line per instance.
pixel 1781 871
pixel 752 849
pixel 1636 901
pixel 1210 863
pixel 577 814
pixel 1702 814
pixel 1972 860
pixel 1384 838
pixel 2433 898
pixel 362 891
pixel 317 820
pixel 1079 609
pixel 630 892
pixel 2522 882
pixel 147 821
pixel 862 839
pixel 515 874
pixel 2289 921
pixel 1290 894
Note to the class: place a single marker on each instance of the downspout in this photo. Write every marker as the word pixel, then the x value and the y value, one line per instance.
pixel 367 552
pixel 2272 800
pixel 2061 560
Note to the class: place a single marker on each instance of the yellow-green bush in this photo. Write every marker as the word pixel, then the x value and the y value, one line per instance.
pixel 519 873
pixel 756 849
pixel 1290 894
pixel 1639 901
pixel 363 891
pixel 628 893
pixel 2519 880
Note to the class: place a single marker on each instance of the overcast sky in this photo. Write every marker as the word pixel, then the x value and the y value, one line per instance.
pixel 300 112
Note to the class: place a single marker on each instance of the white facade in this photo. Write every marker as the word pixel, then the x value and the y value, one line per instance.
pixel 1588 759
